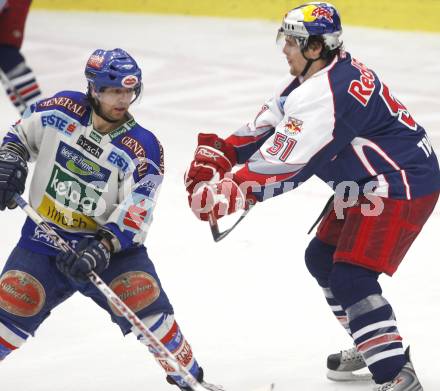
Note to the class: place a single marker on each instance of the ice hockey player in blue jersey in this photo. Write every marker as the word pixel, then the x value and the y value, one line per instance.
pixel 96 180
pixel 334 118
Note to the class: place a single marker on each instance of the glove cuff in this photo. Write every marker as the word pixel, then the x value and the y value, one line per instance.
pixel 115 245
pixel 250 198
pixel 212 140
pixel 18 149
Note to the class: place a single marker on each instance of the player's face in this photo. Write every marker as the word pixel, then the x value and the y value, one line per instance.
pixel 294 56
pixel 115 101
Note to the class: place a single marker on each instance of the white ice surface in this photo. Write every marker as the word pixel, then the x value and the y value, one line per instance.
pixel 247 305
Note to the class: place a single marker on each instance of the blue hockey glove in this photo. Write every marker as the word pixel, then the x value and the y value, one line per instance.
pixel 13 173
pixel 92 256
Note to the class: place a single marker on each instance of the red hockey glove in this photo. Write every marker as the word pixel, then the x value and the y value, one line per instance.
pixel 212 159
pixel 220 199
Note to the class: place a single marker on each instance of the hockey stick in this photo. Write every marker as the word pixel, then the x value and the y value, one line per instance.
pixel 7 83
pixel 128 314
pixel 215 230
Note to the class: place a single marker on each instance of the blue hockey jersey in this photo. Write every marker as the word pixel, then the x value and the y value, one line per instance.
pixel 84 180
pixel 343 125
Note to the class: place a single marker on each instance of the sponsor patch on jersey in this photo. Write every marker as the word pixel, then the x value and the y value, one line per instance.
pixel 60 122
pixel 146 185
pixel 135 216
pixel 65 102
pixel 95 136
pixel 89 147
pixel 64 218
pixel 139 151
pixel 119 159
pixel 293 125
pixel 75 162
pixel 136 212
pixel 21 294
pixel 71 193
pixel 40 235
pixel 136 289
pixel 122 129
pixel 362 89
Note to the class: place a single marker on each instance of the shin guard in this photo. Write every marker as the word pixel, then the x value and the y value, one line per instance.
pixel 166 329
pixel 11 338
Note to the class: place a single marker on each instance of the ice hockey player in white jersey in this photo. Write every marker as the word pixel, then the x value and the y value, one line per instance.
pixel 334 118
pixel 96 180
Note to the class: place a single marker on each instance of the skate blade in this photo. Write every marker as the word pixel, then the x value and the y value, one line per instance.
pixel 348 376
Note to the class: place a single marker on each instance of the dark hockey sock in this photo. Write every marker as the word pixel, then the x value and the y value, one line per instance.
pixel 319 262
pixel 22 87
pixel 337 309
pixel 371 320
pixel 375 334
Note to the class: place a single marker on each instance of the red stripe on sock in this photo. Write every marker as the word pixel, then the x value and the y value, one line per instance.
pixel 7 344
pixel 171 334
pixel 28 90
pixel 377 341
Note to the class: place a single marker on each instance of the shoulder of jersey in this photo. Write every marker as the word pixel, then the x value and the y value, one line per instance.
pixel 140 143
pixel 345 70
pixel 138 133
pixel 352 81
pixel 73 104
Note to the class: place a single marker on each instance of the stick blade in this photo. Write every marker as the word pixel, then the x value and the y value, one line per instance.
pixel 218 235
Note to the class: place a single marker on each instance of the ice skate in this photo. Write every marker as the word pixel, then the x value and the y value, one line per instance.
pixel 203 383
pixel 208 386
pixel 344 366
pixel 212 387
pixel 406 380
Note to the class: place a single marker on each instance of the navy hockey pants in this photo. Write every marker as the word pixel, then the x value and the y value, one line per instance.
pixel 31 286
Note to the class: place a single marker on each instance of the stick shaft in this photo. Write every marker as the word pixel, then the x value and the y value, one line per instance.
pixel 128 314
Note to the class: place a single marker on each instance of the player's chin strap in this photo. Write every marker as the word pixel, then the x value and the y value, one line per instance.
pixel 96 106
pixel 111 296
pixel 310 61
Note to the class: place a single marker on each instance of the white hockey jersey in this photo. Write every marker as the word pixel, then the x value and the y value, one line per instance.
pixel 84 180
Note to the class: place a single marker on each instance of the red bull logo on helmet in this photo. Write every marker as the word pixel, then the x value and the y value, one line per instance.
pixel 321 12
pixel 313 12
pixel 129 81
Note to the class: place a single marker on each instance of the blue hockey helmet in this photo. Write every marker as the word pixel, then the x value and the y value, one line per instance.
pixel 113 68
pixel 313 19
